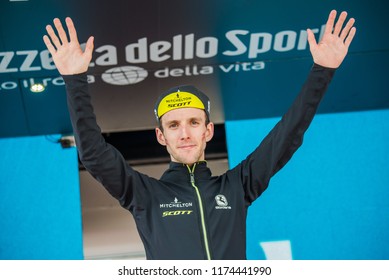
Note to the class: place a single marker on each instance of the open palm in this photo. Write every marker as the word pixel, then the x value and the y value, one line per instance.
pixel 333 47
pixel 68 56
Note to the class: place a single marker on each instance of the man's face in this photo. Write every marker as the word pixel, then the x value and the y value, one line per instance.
pixel 185 134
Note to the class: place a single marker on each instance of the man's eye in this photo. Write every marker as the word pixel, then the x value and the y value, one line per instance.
pixel 195 122
pixel 173 125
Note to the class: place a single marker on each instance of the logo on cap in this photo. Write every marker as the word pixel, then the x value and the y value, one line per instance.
pixel 177 100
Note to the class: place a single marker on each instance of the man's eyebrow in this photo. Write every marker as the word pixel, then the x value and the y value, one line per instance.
pixel 171 122
pixel 195 118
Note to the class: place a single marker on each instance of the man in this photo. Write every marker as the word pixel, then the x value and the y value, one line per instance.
pixel 189 214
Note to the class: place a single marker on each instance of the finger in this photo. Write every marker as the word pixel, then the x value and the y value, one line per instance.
pixel 347 28
pixel 72 30
pixel 339 23
pixel 61 31
pixel 53 36
pixel 350 37
pixel 330 23
pixel 48 44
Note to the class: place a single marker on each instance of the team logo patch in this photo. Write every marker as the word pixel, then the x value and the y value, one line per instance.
pixel 222 202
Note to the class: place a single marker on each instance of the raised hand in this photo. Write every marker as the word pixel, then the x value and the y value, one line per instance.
pixel 333 47
pixel 68 56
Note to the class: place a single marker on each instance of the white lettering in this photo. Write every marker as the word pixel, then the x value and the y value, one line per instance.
pixel 177 72
pixel 189 46
pixel 45 81
pixel 206 70
pixel 206 47
pixel 238 44
pixel 4 63
pixel 177 47
pixel 180 47
pixel 285 41
pixel 164 73
pixel 226 69
pixel 8 85
pixel 137 52
pixel 244 66
pixel 189 70
pixel 46 60
pixel 258 65
pixel 107 58
pixel 30 56
pixel 91 79
pixel 157 49
pixel 58 81
pixel 259 43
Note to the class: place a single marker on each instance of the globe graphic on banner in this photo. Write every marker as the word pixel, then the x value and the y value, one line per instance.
pixel 124 75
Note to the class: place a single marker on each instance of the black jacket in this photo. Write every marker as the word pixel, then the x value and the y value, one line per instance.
pixel 188 213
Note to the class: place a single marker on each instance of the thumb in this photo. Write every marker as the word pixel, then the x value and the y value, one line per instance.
pixel 89 46
pixel 311 39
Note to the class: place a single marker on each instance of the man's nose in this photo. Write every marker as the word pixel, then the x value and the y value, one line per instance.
pixel 185 133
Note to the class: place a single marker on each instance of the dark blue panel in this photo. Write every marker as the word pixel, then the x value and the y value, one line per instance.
pixel 269 92
pixel 13 120
pixel 47 111
pixel 205 33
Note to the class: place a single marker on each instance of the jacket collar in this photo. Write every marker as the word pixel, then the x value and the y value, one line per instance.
pixel 179 172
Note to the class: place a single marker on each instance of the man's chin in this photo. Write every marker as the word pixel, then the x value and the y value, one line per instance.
pixel 187 160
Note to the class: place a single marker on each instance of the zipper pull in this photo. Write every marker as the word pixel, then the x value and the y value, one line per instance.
pixel 191 173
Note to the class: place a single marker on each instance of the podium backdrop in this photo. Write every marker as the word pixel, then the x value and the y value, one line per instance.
pixel 251 57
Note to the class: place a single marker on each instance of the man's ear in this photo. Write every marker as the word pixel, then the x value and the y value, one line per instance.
pixel 160 137
pixel 210 131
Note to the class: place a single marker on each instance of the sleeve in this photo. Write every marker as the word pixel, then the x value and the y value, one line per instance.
pixel 277 148
pixel 103 161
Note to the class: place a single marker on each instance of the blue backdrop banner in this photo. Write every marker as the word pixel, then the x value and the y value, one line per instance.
pixel 40 209
pixel 331 200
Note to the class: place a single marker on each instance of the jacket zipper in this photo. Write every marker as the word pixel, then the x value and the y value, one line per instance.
pixel 192 180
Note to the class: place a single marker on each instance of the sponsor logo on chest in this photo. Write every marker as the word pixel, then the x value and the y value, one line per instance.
pixel 176 204
pixel 179 208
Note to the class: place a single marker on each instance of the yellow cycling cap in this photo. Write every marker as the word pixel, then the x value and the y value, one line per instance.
pixel 185 96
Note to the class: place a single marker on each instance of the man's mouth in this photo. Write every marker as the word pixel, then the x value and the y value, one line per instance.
pixel 186 147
